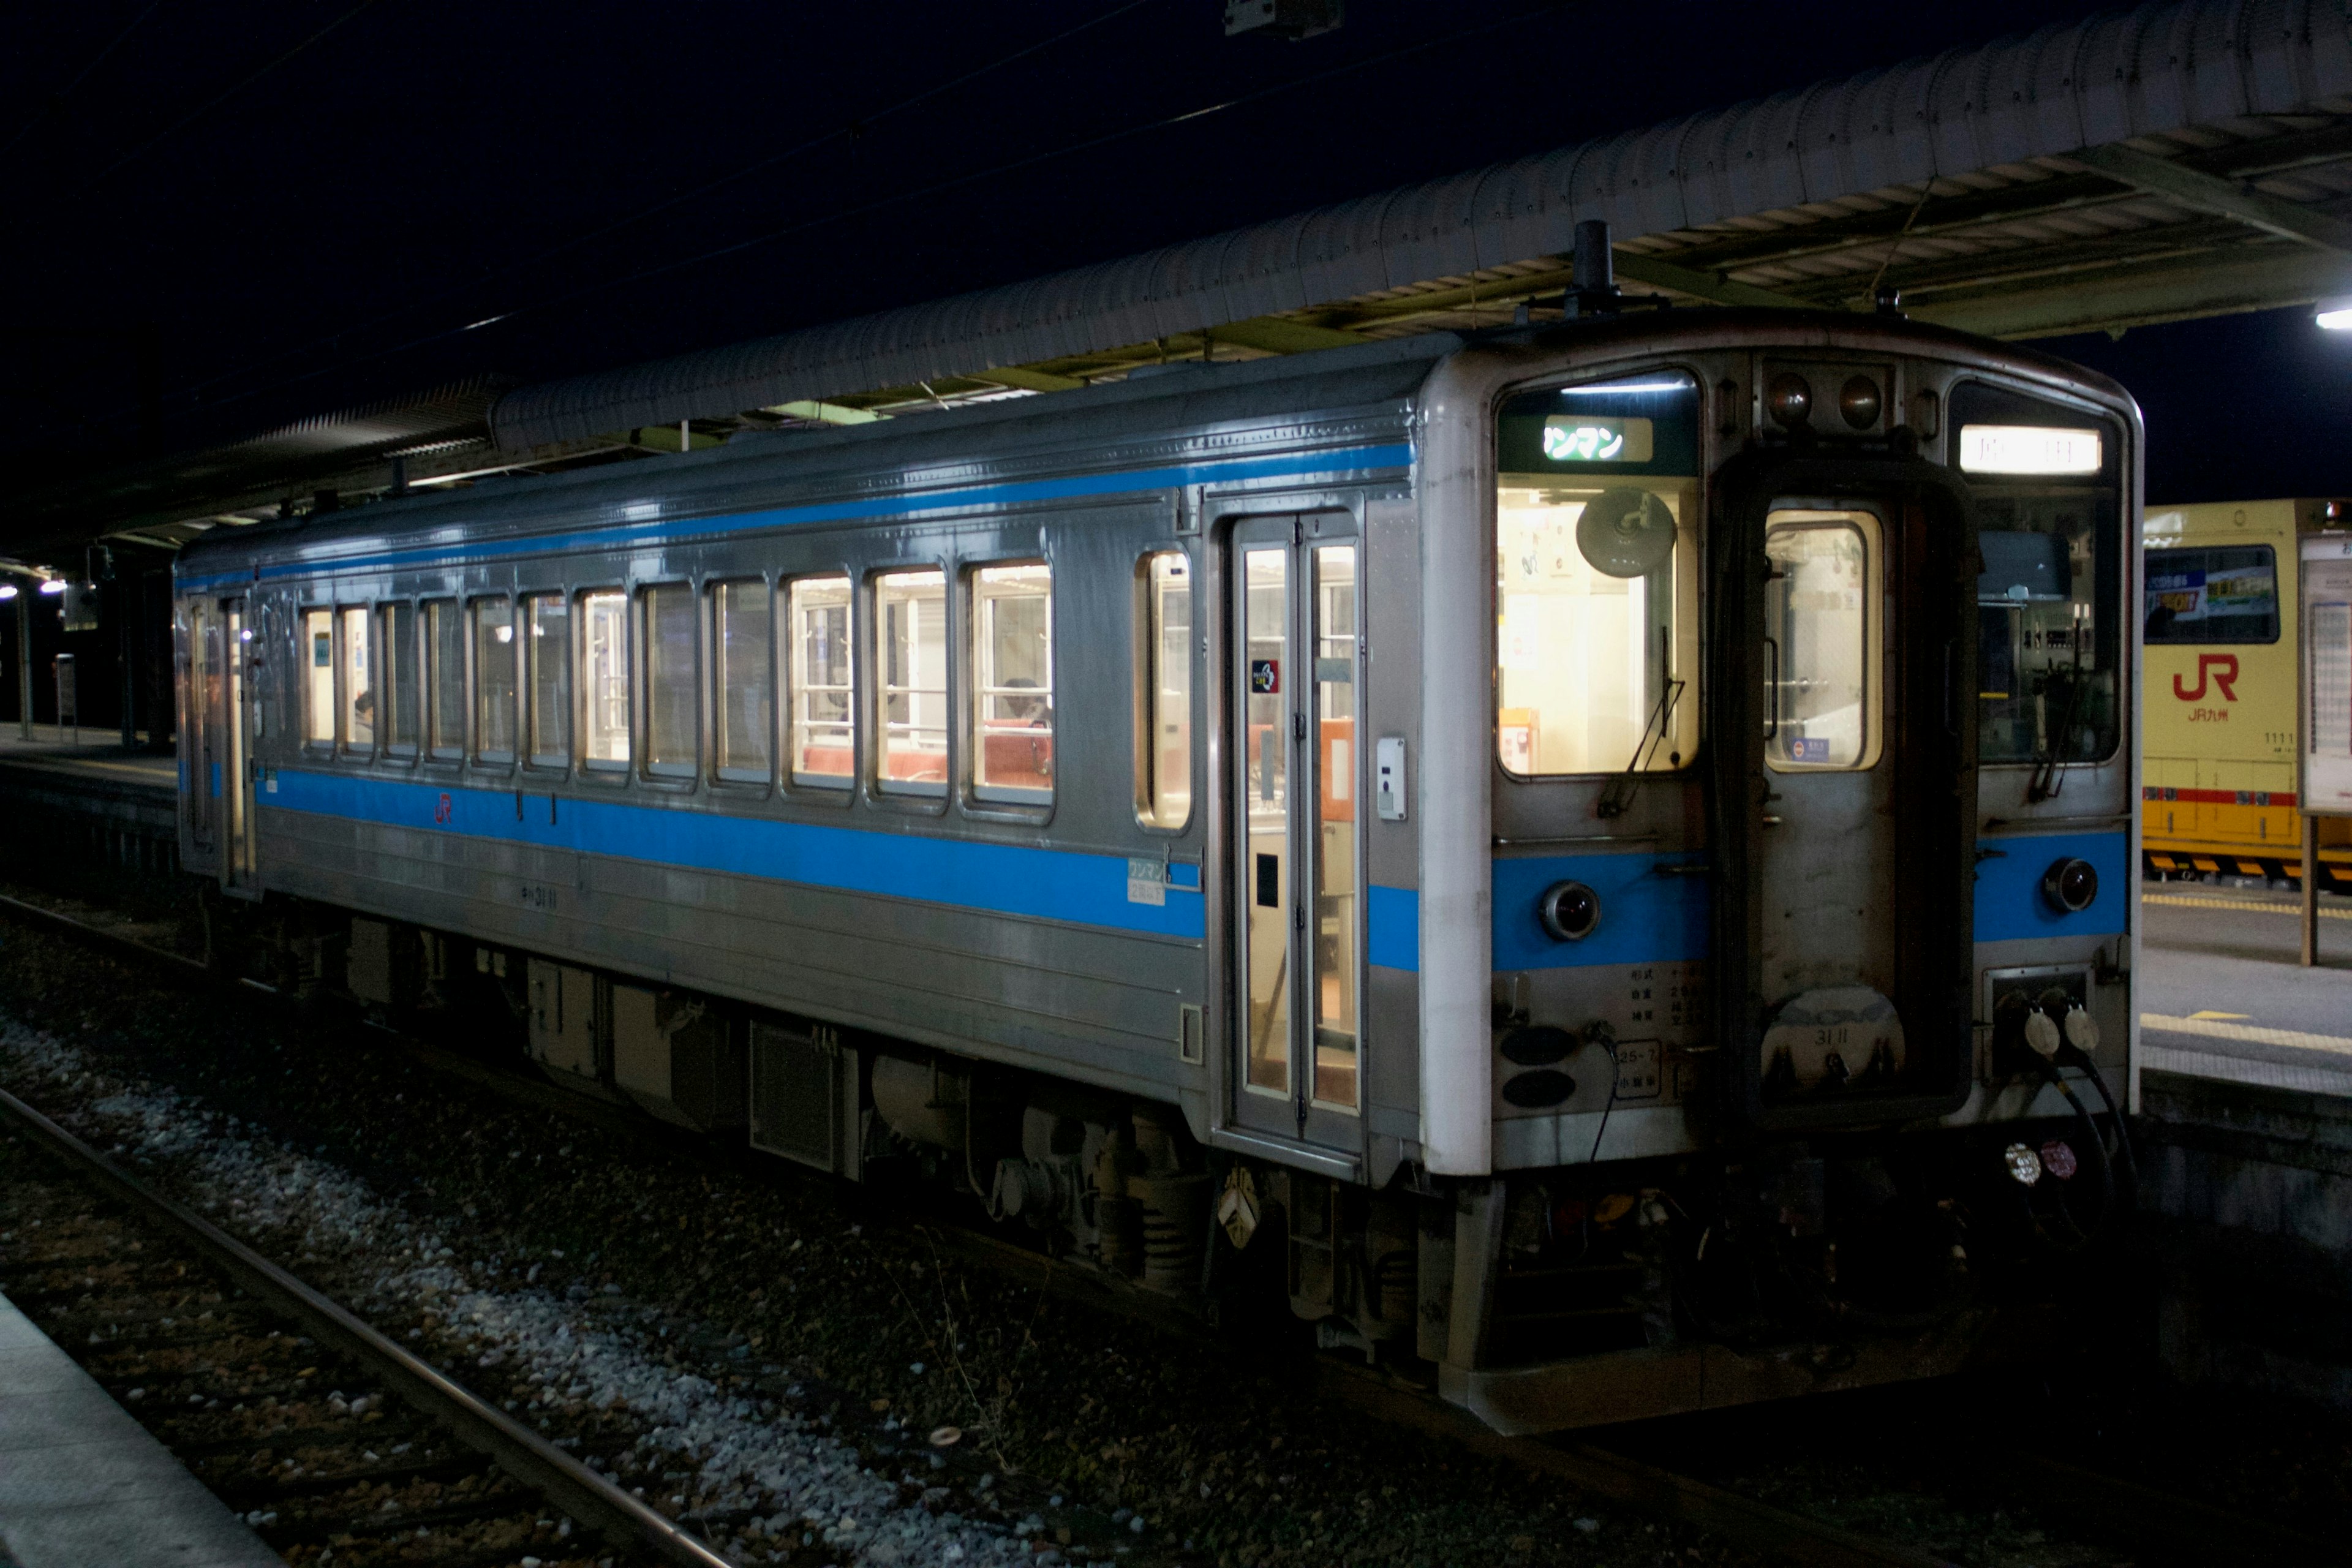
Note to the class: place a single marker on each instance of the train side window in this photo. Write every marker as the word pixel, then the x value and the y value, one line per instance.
pixel 669 644
pixel 548 653
pixel 358 689
pixel 744 692
pixel 910 609
pixel 823 672
pixel 1013 682
pixel 318 678
pixel 2227 595
pixel 604 680
pixel 445 678
pixel 494 681
pixel 1596 576
pixel 1163 698
pixel 402 669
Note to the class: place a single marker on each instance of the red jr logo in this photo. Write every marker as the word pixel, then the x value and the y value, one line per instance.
pixel 2224 668
pixel 443 810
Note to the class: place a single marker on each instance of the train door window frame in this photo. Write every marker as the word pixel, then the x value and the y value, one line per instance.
pixel 1164 784
pixel 801 695
pixel 1009 713
pixel 479 668
pixel 402 681
pixel 318 693
pixel 355 666
pixel 445 689
pixel 922 583
pixel 605 717
pixel 547 684
pixel 1793 673
pixel 662 695
pixel 720 596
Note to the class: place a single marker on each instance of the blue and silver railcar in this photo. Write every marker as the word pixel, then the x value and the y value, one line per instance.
pixel 1582 857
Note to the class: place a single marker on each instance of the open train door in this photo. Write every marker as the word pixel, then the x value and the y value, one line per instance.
pixel 1293 675
pixel 1844 787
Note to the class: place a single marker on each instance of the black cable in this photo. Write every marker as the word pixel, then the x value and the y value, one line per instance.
pixel 218 98
pixel 57 99
pixel 919 193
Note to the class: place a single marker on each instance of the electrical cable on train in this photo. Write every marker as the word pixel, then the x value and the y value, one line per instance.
pixel 1580 860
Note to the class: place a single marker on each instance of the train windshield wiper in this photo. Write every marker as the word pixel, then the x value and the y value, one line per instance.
pixel 1618 799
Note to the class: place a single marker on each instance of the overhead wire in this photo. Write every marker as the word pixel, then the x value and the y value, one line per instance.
pixel 917 193
pixel 57 99
pixel 220 97
pixel 850 129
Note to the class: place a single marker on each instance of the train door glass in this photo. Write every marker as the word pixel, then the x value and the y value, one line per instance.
pixel 1827 855
pixel 240 707
pixel 207 724
pixel 1294 771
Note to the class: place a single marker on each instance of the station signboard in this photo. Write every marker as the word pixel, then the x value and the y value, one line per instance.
pixel 2326 624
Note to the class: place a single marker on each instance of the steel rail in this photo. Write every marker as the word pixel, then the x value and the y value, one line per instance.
pixel 623 1520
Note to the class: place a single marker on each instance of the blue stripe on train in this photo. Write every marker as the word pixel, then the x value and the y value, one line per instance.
pixel 628 535
pixel 1001 879
pixel 1649 918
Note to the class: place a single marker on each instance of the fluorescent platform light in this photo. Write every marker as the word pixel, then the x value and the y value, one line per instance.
pixel 54 586
pixel 2336 315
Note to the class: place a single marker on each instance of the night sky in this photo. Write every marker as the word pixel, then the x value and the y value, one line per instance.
pixel 306 204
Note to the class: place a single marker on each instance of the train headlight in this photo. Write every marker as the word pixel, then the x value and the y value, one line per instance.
pixel 1790 400
pixel 1858 401
pixel 1569 910
pixel 2058 1158
pixel 2023 1165
pixel 2070 884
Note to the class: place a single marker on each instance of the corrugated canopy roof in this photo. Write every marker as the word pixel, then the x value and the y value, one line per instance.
pixel 2178 159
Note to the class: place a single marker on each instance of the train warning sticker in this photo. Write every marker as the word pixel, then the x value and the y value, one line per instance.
pixel 1808 749
pixel 1265 677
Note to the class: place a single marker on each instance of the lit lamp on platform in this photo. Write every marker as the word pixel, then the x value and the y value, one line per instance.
pixel 2335 315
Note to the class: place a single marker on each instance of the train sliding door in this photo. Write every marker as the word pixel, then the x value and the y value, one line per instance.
pixel 1294 674
pixel 241 712
pixel 219 777
pixel 1848 813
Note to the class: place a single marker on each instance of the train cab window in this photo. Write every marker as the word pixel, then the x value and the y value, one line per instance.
pixel 604 680
pixel 742 700
pixel 1821 647
pixel 1596 545
pixel 1012 683
pixel 821 670
pixel 910 609
pixel 494 681
pixel 401 716
pixel 318 678
pixel 359 688
pixel 2047 486
pixel 670 642
pixel 445 642
pixel 547 651
pixel 1163 729
pixel 2219 596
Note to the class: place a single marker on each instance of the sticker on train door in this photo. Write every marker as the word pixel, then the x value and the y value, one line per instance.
pixel 1265 677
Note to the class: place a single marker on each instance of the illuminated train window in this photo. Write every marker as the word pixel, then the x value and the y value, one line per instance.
pixel 1012 683
pixel 910 612
pixel 820 667
pixel 1596 576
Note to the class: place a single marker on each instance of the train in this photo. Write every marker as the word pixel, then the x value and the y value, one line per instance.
pixel 1588 863
pixel 2228 722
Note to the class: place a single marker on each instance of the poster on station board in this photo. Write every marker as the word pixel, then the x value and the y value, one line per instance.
pixel 2327 675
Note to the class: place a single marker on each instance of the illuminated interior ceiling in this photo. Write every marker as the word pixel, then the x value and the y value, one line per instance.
pixel 2177 161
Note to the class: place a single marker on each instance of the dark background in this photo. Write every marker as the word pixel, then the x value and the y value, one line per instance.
pixel 279 207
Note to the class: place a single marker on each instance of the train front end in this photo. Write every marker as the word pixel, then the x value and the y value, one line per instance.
pixel 1776 856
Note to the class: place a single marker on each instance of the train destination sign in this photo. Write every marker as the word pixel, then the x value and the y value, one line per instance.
pixel 1596 438
pixel 2030 449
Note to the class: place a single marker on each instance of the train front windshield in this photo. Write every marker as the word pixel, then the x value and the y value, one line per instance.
pixel 2047 483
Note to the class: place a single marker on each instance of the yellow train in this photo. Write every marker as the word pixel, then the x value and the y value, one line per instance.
pixel 2222 716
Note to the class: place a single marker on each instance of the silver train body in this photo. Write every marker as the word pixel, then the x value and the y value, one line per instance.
pixel 1505 844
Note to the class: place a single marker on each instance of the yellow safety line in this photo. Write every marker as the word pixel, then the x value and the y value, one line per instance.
pixel 2220 1031
pixel 2177 901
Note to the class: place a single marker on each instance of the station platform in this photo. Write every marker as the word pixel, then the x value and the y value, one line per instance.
pixel 82 1484
pixel 2223 997
pixel 86 799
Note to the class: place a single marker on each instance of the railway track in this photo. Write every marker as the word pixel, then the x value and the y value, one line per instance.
pixel 2160 1526
pixel 336 1445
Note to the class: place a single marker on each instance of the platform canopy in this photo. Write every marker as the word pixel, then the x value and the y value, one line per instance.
pixel 2183 159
